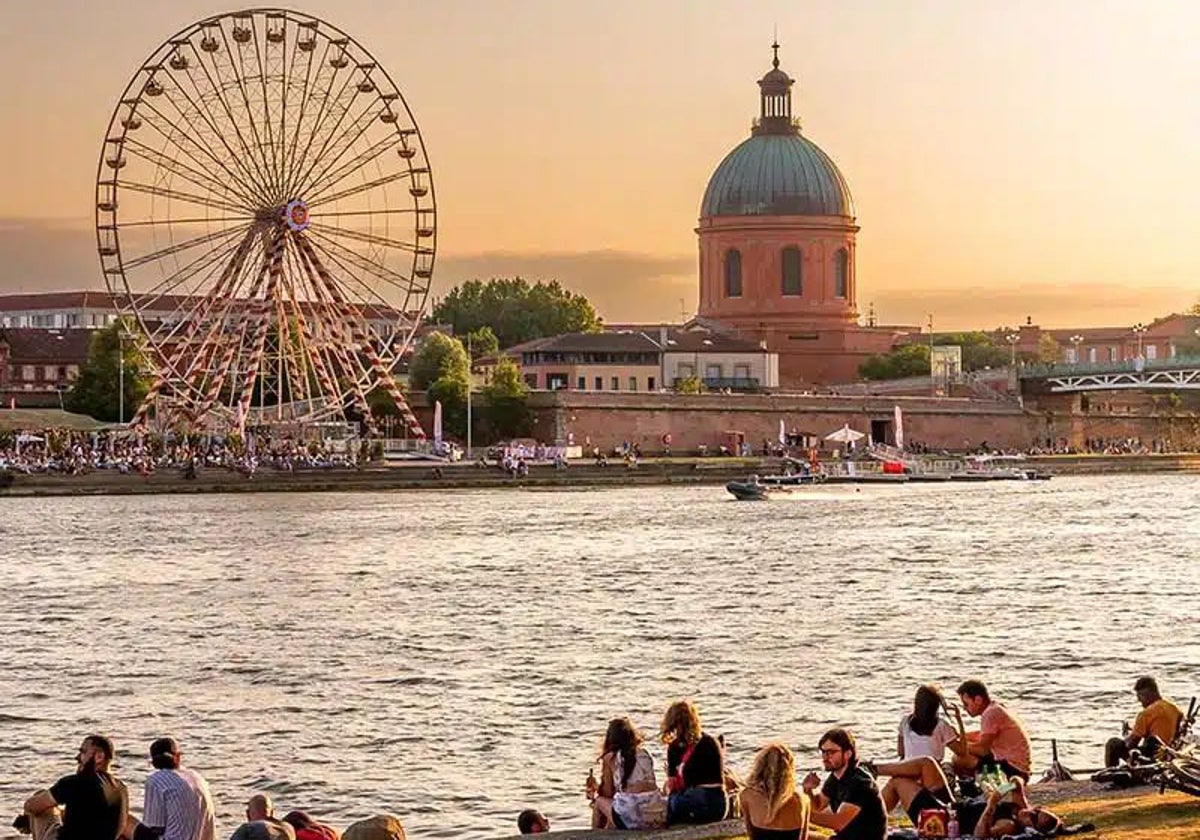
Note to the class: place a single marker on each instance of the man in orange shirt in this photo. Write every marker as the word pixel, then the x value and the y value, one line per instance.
pixel 1155 725
pixel 1001 742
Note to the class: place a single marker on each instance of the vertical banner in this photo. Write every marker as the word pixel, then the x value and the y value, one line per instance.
pixel 899 428
pixel 437 422
pixel 782 433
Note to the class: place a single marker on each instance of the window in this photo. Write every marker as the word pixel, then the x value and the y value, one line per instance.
pixel 793 267
pixel 633 383
pixel 1092 355
pixel 1151 351
pixel 1112 354
pixel 556 381
pixel 51 373
pixel 841 271
pixel 741 371
pixel 685 371
pixel 733 273
pixel 616 383
pixel 582 384
pixel 599 383
pixel 1072 356
pixel 29 372
pixel 712 371
pixel 531 380
pixel 649 383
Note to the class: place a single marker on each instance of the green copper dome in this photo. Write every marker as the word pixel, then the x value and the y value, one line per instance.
pixel 777 174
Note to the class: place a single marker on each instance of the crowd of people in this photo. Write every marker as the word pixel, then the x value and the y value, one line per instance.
pixel 58 452
pixel 949 781
pixel 93 804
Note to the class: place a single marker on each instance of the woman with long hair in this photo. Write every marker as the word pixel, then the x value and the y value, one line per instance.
pixel 627 796
pixel 695 768
pixel 925 731
pixel 771 807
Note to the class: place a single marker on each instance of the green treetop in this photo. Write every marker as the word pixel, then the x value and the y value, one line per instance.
pixel 515 310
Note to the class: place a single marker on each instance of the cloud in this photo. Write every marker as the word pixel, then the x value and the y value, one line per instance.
pixel 53 255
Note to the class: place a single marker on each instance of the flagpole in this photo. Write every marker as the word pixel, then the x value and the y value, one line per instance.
pixel 470 377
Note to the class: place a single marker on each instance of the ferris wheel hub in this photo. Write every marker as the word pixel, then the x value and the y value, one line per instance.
pixel 295 214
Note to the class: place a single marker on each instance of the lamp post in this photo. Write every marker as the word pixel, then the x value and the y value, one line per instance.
pixel 470 382
pixel 121 373
pixel 1139 330
pixel 1076 340
pixel 932 376
pixel 1012 339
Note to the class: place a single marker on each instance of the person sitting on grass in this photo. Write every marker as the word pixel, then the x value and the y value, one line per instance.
pixel 920 784
pixel 924 732
pixel 770 805
pixel 1156 724
pixel 1001 741
pixel 849 801
pixel 695 768
pixel 531 821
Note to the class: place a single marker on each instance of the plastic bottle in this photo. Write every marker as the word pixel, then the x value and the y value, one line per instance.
pixel 952 827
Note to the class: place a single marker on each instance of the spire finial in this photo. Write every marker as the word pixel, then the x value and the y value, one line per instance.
pixel 775 49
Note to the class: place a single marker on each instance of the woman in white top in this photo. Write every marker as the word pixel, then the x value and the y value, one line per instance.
pixel 628 794
pixel 925 732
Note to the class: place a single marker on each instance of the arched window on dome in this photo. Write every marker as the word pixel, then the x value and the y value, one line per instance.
pixel 733 273
pixel 793 272
pixel 841 272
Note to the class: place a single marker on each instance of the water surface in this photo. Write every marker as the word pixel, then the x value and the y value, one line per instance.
pixel 454 656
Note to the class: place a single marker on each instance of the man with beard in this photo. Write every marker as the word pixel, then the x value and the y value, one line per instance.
pixel 849 802
pixel 90 804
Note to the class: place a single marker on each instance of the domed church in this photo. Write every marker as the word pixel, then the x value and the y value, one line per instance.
pixel 777 240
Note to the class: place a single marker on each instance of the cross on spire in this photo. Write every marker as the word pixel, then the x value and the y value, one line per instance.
pixel 775 51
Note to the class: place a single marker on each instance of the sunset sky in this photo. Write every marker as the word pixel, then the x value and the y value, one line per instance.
pixel 1007 159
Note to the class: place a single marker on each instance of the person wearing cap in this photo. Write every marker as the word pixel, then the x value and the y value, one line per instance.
pixel 1155 725
pixel 177 803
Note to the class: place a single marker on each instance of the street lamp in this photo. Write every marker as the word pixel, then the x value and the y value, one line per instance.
pixel 1139 330
pixel 1076 340
pixel 123 335
pixel 1012 339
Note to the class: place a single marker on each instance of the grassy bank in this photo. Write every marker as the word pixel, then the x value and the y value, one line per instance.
pixel 1141 814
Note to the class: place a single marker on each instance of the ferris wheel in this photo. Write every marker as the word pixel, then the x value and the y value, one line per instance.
pixel 265 214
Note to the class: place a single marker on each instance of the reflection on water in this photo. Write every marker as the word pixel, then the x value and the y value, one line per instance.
pixel 454 656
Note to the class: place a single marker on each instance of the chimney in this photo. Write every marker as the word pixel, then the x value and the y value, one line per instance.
pixel 662 337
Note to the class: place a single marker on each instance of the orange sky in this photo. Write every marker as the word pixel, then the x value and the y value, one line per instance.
pixel 1006 158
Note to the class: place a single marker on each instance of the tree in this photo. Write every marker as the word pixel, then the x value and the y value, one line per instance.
pixel 515 310
pixel 439 355
pixel 1048 350
pixel 96 390
pixel 909 360
pixel 690 385
pixel 506 402
pixel 483 343
pixel 441 369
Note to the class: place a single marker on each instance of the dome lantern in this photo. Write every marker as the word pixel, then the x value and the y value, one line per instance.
pixel 775 95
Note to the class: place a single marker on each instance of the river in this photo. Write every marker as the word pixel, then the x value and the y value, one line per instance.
pixel 454 656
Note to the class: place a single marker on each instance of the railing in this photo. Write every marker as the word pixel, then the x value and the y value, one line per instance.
pixel 719 383
pixel 1045 371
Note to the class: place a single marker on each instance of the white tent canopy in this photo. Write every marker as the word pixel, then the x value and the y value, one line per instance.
pixel 845 435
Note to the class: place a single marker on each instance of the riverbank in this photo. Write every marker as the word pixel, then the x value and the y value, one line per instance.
pixel 432 475
pixel 1141 814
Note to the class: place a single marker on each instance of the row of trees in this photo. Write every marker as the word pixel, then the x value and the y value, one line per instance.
pixel 979 352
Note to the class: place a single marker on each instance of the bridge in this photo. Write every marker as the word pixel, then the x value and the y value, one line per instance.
pixel 1179 374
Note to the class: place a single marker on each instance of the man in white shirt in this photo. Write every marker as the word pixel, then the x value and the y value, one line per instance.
pixel 178 805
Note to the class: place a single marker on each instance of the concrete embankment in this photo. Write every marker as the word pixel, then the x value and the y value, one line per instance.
pixel 425 476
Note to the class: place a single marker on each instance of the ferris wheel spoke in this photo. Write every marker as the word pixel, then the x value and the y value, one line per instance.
pixel 329 179
pixel 197 221
pixel 232 179
pixel 242 157
pixel 296 161
pixel 268 123
pixel 346 141
pixel 345 258
pixel 239 80
pixel 216 88
pixel 361 188
pixel 179 195
pixel 226 256
pixel 299 114
pixel 174 167
pixel 369 238
pixel 308 165
pixel 188 244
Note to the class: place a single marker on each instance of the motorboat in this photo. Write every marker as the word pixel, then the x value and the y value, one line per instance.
pixel 759 488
